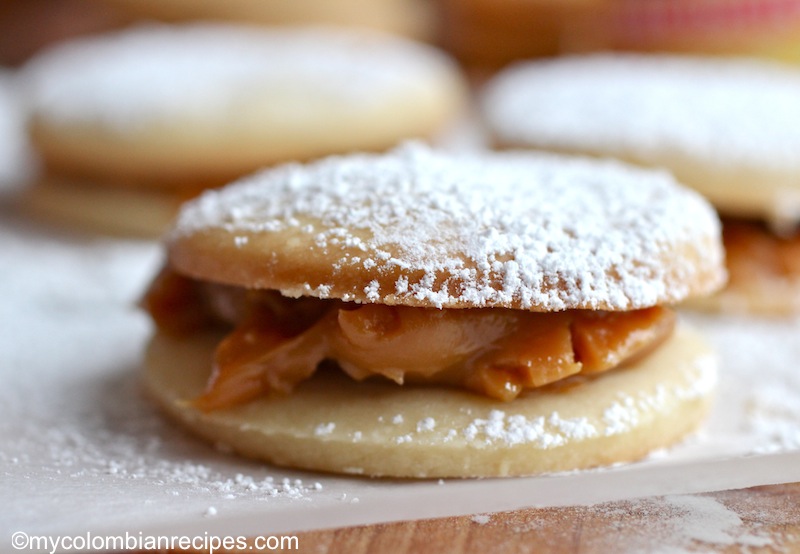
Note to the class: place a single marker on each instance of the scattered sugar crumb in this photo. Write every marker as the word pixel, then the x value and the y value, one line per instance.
pixel 210 512
pixel 427 424
pixel 324 429
pixel 372 291
pixel 398 419
pixel 481 519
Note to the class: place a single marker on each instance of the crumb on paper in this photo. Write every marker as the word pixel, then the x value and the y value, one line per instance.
pixel 324 429
pixel 427 424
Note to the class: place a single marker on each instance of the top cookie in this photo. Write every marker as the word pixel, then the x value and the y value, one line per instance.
pixel 421 228
pixel 728 128
pixel 165 103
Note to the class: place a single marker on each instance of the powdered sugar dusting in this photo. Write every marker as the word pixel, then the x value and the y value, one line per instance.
pixel 516 429
pixel 533 231
pixel 740 112
pixel 203 71
pixel 675 524
pixel 758 362
pixel 622 415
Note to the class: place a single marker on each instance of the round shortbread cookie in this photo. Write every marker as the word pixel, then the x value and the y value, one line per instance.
pixel 406 17
pixel 173 105
pixel 423 228
pixel 332 423
pixel 110 210
pixel 727 128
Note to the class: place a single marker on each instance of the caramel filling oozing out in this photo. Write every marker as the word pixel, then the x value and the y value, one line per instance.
pixel 757 255
pixel 278 342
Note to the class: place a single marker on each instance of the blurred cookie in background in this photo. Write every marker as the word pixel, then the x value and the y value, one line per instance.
pixel 729 128
pixel 164 111
pixel 26 26
pixel 412 18
pixel 764 28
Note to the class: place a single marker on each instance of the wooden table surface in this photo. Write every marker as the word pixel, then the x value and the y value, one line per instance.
pixel 761 519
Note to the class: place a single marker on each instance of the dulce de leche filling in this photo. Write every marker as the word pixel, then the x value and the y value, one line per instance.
pixel 757 255
pixel 275 342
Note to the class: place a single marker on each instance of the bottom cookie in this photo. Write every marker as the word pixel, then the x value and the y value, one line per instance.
pixel 107 210
pixel 332 423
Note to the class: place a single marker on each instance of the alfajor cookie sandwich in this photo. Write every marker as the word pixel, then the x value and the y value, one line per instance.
pixel 422 314
pixel 729 128
pixel 130 124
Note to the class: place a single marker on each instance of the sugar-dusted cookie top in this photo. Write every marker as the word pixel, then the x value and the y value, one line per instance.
pixel 723 110
pixel 422 228
pixel 211 102
pixel 148 73
pixel 729 128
